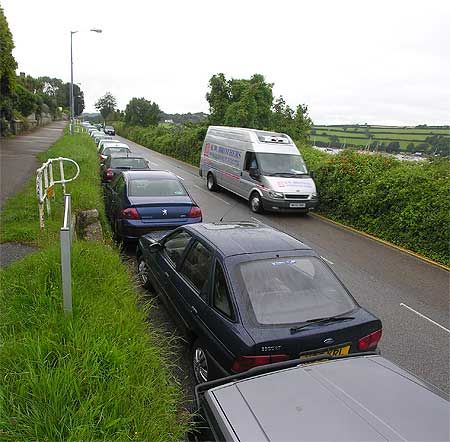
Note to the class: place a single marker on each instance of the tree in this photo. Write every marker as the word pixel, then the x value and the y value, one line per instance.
pixel 8 67
pixel 410 147
pixel 25 101
pixel 142 112
pixel 106 105
pixel 218 98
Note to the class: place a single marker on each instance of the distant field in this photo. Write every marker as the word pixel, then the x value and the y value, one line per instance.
pixel 361 135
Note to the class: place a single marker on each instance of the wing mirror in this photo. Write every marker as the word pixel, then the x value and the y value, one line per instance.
pixel 254 173
pixel 155 247
pixel 312 174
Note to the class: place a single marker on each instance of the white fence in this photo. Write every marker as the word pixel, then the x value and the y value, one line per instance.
pixel 66 233
pixel 45 183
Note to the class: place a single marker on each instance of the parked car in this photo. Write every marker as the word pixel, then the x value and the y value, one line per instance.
pixel 113 148
pixel 139 202
pixel 102 142
pixel 248 295
pixel 263 167
pixel 116 164
pixel 110 130
pixel 350 398
pixel 99 137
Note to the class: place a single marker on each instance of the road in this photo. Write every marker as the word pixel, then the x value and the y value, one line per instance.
pixel 18 156
pixel 409 295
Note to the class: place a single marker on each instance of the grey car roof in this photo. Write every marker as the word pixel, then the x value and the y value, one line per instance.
pixel 237 238
pixel 352 399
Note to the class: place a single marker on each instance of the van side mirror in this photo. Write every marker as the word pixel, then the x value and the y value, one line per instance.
pixel 254 173
pixel 312 173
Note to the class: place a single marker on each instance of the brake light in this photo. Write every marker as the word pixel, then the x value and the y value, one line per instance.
pixel 130 213
pixel 244 363
pixel 109 174
pixel 195 212
pixel 369 341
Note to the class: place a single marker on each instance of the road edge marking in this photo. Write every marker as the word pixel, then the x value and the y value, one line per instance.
pixel 383 241
pixel 423 316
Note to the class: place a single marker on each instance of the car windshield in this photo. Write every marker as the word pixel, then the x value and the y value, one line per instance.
pixel 149 187
pixel 292 290
pixel 129 163
pixel 112 150
pixel 275 163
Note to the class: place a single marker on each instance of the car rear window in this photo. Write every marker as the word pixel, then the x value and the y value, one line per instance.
pixel 129 163
pixel 292 290
pixel 114 150
pixel 148 187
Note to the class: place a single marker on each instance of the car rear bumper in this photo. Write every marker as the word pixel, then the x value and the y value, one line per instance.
pixel 285 205
pixel 133 229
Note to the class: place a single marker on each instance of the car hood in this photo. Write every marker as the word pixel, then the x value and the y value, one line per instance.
pixel 351 399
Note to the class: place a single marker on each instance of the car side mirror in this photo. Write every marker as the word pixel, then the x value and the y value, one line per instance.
pixel 155 247
pixel 254 173
pixel 312 174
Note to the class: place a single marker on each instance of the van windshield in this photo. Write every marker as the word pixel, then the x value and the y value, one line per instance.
pixel 281 164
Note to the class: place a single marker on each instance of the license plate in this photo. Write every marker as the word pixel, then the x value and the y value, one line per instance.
pixel 294 205
pixel 337 351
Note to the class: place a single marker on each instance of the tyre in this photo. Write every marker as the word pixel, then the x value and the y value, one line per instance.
pixel 256 203
pixel 143 273
pixel 200 363
pixel 211 183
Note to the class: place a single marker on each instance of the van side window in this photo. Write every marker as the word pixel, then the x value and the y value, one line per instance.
pixel 250 161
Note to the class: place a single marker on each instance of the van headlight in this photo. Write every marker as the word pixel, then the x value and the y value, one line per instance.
pixel 314 195
pixel 276 195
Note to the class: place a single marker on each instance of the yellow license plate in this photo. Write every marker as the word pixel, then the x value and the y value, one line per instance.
pixel 338 351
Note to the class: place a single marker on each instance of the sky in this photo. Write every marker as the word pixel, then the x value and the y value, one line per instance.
pixel 375 62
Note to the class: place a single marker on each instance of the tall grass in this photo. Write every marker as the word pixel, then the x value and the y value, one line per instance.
pixel 97 375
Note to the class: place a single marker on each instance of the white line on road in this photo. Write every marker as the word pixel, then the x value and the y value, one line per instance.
pixel 256 219
pixel 209 193
pixel 423 316
pixel 327 260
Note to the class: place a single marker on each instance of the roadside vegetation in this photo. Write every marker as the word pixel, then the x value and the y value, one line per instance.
pixel 101 373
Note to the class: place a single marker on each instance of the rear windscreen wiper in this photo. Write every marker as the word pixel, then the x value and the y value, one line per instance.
pixel 320 321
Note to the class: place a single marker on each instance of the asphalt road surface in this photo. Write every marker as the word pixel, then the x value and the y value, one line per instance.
pixel 410 296
pixel 18 156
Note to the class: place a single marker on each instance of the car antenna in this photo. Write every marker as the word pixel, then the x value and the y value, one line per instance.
pixel 227 212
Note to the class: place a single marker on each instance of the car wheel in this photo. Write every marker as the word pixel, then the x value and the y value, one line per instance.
pixel 256 203
pixel 143 273
pixel 200 364
pixel 211 183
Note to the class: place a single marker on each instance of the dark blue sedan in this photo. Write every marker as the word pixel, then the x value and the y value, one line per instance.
pixel 139 202
pixel 249 295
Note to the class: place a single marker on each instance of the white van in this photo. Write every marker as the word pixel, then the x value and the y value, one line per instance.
pixel 263 167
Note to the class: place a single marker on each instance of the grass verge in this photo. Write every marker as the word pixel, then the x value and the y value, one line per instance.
pixel 101 374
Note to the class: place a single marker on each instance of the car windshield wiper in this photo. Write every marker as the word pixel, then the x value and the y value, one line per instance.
pixel 320 321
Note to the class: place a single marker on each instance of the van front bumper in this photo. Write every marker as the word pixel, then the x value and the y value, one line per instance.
pixel 273 205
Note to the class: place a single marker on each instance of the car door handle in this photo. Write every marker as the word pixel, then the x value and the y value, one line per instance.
pixel 166 275
pixel 194 310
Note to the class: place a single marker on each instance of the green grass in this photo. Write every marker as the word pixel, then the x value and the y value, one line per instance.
pixel 101 374
pixel 19 219
pixel 95 376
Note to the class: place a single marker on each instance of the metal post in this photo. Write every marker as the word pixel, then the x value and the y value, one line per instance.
pixel 47 201
pixel 72 114
pixel 66 245
pixel 61 172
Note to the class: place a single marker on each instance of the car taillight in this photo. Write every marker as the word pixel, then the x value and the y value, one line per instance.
pixel 369 341
pixel 109 174
pixel 130 213
pixel 195 212
pixel 244 363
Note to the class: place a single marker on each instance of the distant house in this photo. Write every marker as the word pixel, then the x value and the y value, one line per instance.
pixel 170 121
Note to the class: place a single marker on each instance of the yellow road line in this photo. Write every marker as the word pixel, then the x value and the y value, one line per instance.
pixel 382 241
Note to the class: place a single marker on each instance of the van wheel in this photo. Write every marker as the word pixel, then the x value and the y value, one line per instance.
pixel 200 363
pixel 256 203
pixel 211 183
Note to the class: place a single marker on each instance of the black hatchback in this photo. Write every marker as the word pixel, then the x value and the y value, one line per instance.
pixel 249 295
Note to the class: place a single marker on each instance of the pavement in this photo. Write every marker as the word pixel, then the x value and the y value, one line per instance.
pixel 18 160
pixel 409 295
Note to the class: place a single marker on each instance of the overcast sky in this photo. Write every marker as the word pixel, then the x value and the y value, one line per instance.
pixel 380 62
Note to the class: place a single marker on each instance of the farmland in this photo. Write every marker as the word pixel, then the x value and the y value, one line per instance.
pixel 428 139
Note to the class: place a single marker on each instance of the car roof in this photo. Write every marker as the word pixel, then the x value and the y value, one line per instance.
pixel 351 399
pixel 153 174
pixel 238 238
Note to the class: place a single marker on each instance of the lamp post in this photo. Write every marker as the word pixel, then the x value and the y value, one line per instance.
pixel 72 108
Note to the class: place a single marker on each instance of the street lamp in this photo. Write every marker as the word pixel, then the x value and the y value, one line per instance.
pixel 72 108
